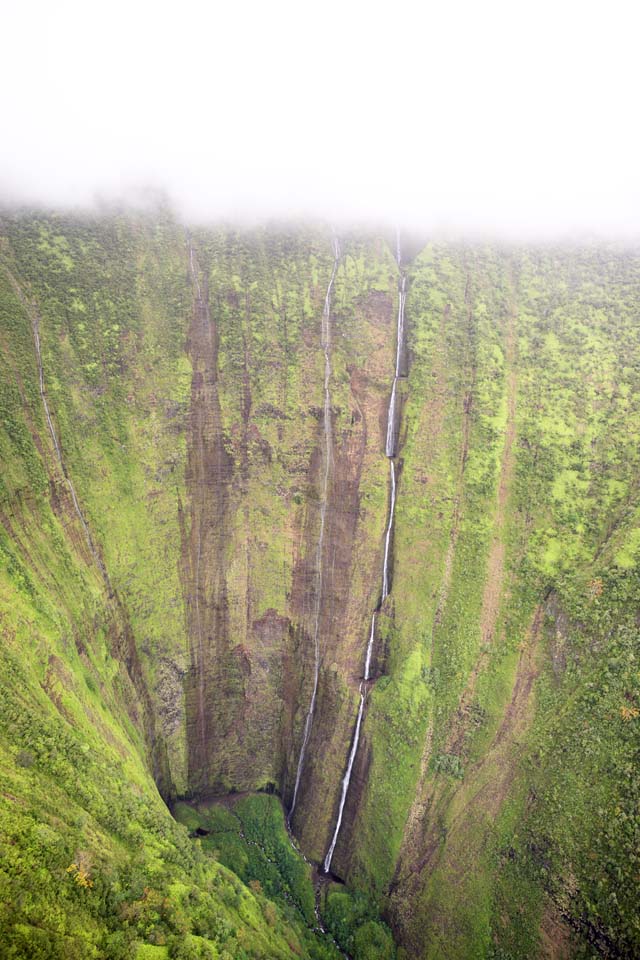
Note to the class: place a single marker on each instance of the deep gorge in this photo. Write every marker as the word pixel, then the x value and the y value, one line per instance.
pixel 270 495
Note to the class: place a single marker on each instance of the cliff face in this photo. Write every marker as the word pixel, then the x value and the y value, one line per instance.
pixel 254 487
pixel 174 537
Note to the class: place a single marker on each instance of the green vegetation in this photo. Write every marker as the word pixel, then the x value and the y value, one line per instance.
pixel 352 918
pixel 494 809
pixel 250 838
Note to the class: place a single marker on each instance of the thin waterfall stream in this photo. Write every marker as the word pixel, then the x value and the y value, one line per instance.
pixel 202 308
pixel 328 459
pixel 387 536
pixel 390 452
pixel 390 446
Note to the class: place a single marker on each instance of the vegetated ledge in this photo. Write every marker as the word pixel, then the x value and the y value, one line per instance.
pixel 248 833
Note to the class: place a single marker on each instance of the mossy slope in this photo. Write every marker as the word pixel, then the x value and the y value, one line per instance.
pixel 493 808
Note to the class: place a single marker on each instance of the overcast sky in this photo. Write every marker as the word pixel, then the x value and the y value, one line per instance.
pixel 494 115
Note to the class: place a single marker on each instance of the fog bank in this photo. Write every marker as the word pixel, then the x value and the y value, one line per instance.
pixel 498 117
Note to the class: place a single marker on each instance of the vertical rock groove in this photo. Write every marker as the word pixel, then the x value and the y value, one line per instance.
pixel 328 460
pixel 123 643
pixel 34 317
pixel 390 452
pixel 392 431
pixel 215 681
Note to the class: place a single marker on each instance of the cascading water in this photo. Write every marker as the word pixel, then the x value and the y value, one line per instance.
pixel 346 780
pixel 387 537
pixel 194 273
pixel 328 458
pixel 390 446
pixel 390 452
pixel 202 308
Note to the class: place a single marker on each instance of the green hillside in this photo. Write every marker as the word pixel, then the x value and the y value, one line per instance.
pixel 163 519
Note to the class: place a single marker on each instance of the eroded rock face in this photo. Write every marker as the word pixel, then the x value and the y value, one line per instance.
pixel 184 379
pixel 255 484
pixel 353 561
pixel 256 492
pixel 214 690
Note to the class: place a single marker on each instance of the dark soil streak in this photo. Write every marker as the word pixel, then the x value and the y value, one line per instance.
pixel 440 847
pixel 422 799
pixel 495 575
pixel 214 685
pixel 341 526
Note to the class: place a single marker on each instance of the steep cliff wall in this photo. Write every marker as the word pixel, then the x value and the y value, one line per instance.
pixel 168 550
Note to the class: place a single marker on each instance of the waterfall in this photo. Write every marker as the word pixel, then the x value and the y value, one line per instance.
pixel 354 746
pixel 367 662
pixel 390 452
pixel 194 273
pixel 387 537
pixel 201 307
pixel 345 782
pixel 390 446
pixel 328 458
